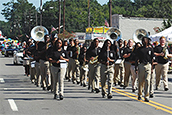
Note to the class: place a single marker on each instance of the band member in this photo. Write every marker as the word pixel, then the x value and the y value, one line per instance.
pixel 49 51
pixel 107 58
pixel 94 65
pixel 37 65
pixel 144 56
pixel 71 61
pixel 163 53
pixel 65 45
pixel 132 68
pixel 44 63
pixel 26 62
pixel 83 66
pixel 75 66
pixel 119 68
pixel 32 48
pixel 152 79
pixel 127 64
pixel 58 71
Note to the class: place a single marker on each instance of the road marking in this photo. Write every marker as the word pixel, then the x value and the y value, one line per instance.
pixel 2 80
pixel 151 103
pixel 13 105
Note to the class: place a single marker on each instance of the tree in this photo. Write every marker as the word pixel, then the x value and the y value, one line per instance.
pixel 21 16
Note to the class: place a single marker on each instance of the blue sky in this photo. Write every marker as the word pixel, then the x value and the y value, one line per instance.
pixel 36 3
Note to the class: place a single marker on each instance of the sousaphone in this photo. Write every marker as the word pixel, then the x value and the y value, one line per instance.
pixel 38 33
pixel 139 34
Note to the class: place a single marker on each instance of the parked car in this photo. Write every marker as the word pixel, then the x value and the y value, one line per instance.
pixel 18 56
pixel 9 51
pixel 3 51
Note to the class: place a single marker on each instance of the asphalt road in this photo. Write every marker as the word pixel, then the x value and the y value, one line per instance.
pixel 19 96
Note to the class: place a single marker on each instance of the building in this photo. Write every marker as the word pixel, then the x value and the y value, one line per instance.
pixel 128 25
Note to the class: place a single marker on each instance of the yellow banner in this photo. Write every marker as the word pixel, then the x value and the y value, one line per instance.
pixel 98 30
pixel 105 29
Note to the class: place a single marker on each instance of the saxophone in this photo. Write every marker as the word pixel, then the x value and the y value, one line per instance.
pixel 94 60
pixel 78 50
pixel 165 51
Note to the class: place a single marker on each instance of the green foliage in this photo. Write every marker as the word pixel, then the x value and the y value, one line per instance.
pixel 21 15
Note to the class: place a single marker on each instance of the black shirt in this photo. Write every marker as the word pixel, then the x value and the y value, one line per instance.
pixel 69 50
pixel 81 58
pixel 145 55
pixel 93 52
pixel 55 55
pixel 74 50
pixel 133 57
pixel 127 50
pixel 103 56
pixel 160 59
pixel 42 50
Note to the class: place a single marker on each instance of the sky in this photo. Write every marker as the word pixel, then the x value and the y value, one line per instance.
pixel 35 3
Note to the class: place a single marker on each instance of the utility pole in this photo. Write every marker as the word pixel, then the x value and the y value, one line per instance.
pixel 36 18
pixel 40 12
pixel 63 15
pixel 110 13
pixel 59 16
pixel 88 13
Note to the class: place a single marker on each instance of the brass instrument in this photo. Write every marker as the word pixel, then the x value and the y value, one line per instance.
pixel 165 51
pixel 113 34
pixel 138 34
pixel 94 61
pixel 78 50
pixel 38 33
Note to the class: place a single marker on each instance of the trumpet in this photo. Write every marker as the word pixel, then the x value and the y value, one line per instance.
pixel 94 60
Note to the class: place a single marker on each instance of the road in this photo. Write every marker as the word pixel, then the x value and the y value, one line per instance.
pixel 19 96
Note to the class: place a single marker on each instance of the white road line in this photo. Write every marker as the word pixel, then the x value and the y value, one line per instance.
pixel 13 105
pixel 2 80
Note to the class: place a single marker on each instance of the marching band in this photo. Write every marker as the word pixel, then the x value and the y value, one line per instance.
pixel 56 60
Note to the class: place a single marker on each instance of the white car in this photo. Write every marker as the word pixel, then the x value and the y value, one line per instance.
pixel 18 57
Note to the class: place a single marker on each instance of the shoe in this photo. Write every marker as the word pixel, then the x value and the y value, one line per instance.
pixel 151 96
pixel 48 88
pixel 88 87
pixel 119 82
pixel 146 100
pixel 97 90
pixel 84 85
pixel 103 95
pixel 55 96
pixel 121 85
pixel 115 84
pixel 156 88
pixel 109 96
pixel 37 85
pixel 43 88
pixel 92 91
pixel 81 84
pixel 61 97
pixel 69 80
pixel 166 89
pixel 78 82
pixel 139 98
pixel 124 87
pixel 133 90
pixel 73 82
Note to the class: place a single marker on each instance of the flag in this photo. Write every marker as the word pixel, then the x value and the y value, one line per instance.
pixel 106 23
pixel 53 29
